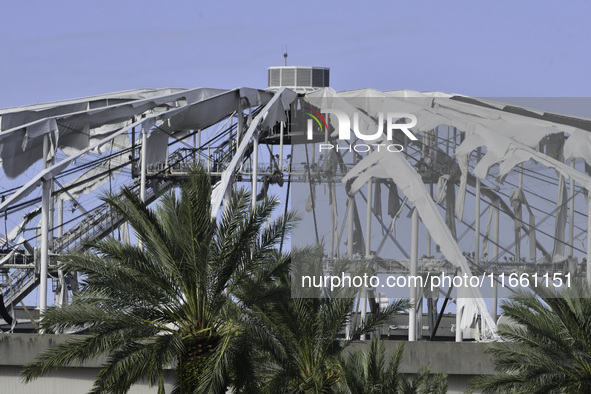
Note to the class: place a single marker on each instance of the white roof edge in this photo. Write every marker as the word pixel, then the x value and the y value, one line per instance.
pixel 82 99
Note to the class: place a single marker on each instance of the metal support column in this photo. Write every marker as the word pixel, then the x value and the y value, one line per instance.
pixel 350 217
pixel 495 253
pixel 367 250
pixel 414 263
pixel 239 122
pixel 44 263
pixel 194 152
pixel 428 233
pixel 51 224
pixel 60 217
pixel 62 297
pixel 368 220
pixel 255 165
pixel 477 225
pixel 281 126
pixel 477 219
pixel 459 335
pixel 589 240
pixel 239 126
pixel 228 193
pixel 133 162
pixel 197 148
pixel 333 219
pixel 518 229
pixel 571 212
pixel 144 165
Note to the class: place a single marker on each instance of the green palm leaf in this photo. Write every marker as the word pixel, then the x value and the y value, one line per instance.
pixel 188 295
pixel 548 349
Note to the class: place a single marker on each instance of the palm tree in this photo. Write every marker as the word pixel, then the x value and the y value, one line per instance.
pixel 305 357
pixel 547 349
pixel 366 372
pixel 180 299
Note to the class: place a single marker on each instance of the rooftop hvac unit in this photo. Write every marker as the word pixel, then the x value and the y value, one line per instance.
pixel 299 79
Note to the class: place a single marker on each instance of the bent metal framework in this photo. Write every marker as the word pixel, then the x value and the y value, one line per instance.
pixel 486 188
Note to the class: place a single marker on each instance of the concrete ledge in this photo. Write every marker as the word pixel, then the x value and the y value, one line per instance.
pixel 460 361
pixel 21 349
pixel 465 358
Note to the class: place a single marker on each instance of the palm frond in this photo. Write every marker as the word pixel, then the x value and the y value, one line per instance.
pixel 548 349
pixel 190 293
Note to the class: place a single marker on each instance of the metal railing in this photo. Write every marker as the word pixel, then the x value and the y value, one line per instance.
pixel 97 224
pixel 20 284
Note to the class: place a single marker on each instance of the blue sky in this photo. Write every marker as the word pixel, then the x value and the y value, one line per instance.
pixel 53 50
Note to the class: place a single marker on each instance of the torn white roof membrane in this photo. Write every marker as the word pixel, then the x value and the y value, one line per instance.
pixel 410 182
pixel 21 145
pixel 273 112
pixel 194 115
pixel 97 100
pixel 508 135
pixel 508 138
